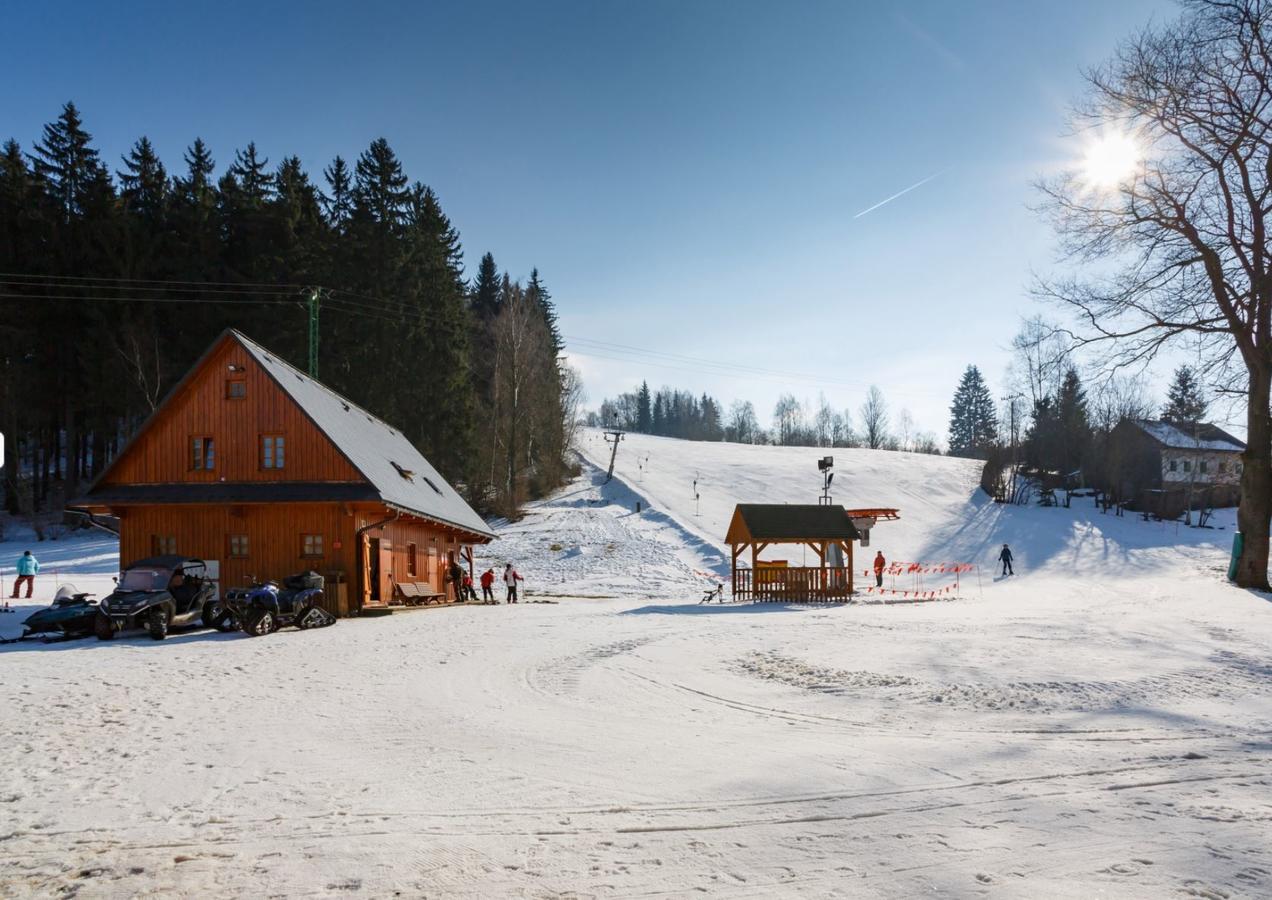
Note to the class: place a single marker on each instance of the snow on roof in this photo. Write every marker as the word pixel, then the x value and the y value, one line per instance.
pixel 399 472
pixel 1180 437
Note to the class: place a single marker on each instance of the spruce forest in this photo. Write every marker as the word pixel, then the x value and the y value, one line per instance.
pixel 115 276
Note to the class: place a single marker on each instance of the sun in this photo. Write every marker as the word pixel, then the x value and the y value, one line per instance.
pixel 1110 160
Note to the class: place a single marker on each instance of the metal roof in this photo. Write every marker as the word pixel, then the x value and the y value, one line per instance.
pixel 399 473
pixel 1180 436
pixel 793 522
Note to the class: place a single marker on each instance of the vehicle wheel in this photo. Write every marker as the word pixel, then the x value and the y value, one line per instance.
pixel 226 621
pixel 212 613
pixel 104 628
pixel 157 623
pixel 262 623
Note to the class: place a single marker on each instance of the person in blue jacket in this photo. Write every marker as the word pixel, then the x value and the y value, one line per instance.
pixel 28 566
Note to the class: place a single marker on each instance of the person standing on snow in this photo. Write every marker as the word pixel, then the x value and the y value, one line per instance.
pixel 511 577
pixel 488 586
pixel 1005 558
pixel 28 566
pixel 456 579
pixel 879 565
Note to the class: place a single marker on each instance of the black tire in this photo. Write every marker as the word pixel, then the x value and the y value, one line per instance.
pixel 260 623
pixel 213 610
pixel 157 622
pixel 104 628
pixel 226 621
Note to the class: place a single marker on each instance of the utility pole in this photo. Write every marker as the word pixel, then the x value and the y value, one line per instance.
pixel 315 299
pixel 1011 407
pixel 613 437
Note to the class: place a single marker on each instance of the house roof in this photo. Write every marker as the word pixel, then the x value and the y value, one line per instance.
pixel 1180 436
pixel 399 473
pixel 790 522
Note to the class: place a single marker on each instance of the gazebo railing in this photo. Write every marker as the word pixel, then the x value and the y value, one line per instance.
pixel 792 584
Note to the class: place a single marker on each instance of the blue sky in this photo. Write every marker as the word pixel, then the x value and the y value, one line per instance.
pixel 687 176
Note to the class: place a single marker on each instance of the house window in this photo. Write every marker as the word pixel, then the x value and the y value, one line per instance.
pixel 238 546
pixel 1188 465
pixel 163 545
pixel 202 453
pixel 273 451
pixel 1201 466
pixel 410 560
pixel 311 545
pixel 235 389
pixel 1174 465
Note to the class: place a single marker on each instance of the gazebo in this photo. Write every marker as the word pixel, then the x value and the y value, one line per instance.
pixel 820 527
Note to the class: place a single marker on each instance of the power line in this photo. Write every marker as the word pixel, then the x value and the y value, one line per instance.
pixel 242 284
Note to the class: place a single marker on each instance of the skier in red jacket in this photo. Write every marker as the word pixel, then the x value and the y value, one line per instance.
pixel 487 586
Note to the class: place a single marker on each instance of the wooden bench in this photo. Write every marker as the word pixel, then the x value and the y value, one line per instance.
pixel 413 594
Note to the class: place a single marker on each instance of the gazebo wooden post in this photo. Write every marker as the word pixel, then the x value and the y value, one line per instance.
pixel 850 567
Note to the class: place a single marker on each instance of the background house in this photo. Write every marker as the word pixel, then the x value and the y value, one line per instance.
pixel 262 471
pixel 1157 465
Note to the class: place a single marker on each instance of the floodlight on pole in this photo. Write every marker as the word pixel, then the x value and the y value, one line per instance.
pixel 825 465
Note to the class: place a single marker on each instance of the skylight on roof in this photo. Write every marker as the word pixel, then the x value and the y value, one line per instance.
pixel 430 484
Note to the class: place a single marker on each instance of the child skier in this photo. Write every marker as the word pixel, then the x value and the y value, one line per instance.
pixel 1005 558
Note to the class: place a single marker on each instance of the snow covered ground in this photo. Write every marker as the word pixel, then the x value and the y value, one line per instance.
pixel 1099 725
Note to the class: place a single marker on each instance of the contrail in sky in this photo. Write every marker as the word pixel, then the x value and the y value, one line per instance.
pixel 917 184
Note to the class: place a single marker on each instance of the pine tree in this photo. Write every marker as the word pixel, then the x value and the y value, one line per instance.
pixel 143 183
pixel 539 296
pixel 644 410
pixel 973 423
pixel 338 202
pixel 251 175
pixel 197 185
pixel 66 163
pixel 1074 424
pixel 1186 404
pixel 486 289
pixel 380 189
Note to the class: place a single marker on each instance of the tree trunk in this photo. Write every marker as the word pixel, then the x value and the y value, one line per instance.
pixel 1256 484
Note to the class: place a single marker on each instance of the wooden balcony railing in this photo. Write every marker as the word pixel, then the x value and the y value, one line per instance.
pixel 792 585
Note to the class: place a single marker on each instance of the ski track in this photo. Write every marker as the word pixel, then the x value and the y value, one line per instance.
pixel 1042 737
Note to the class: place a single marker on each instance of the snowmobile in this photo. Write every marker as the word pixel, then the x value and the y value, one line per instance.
pixel 159 594
pixel 265 607
pixel 71 616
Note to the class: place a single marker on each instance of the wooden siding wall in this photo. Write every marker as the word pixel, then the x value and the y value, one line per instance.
pixel 274 538
pixel 161 455
pixel 432 546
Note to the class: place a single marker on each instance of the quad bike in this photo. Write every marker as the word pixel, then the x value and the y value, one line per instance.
pixel 159 594
pixel 265 607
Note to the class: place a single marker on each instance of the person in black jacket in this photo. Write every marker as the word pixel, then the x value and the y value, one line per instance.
pixel 1005 557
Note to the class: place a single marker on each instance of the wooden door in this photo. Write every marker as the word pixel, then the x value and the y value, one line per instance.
pixel 386 573
pixel 371 572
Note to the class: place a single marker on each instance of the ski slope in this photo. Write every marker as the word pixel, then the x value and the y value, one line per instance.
pixel 1099 725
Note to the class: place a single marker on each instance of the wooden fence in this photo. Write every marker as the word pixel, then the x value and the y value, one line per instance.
pixel 792 585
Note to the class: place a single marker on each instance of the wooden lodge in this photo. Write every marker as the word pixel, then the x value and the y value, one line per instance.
pixel 262 472
pixel 828 530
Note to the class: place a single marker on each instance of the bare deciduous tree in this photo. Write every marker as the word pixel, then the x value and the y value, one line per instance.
pixel 874 419
pixel 1187 232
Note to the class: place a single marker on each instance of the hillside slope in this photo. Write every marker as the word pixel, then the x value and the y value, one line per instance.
pixel 945 517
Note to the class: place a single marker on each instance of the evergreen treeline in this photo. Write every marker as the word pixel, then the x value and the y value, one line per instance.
pixel 112 283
